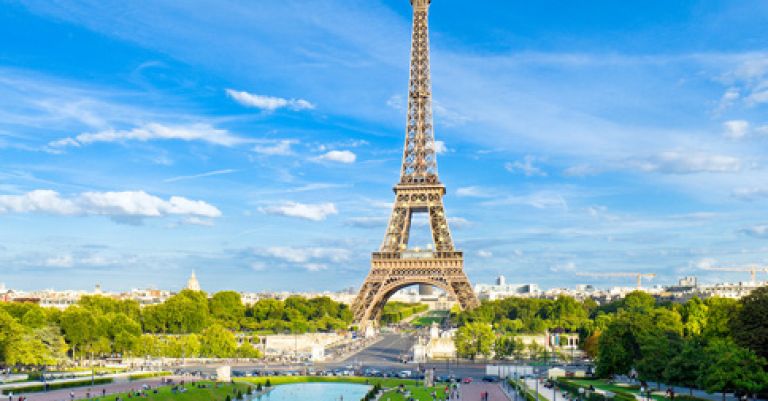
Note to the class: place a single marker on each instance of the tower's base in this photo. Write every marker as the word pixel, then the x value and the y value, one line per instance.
pixel 392 271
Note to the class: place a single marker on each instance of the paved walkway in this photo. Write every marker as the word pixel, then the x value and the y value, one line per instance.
pixel 472 391
pixel 80 392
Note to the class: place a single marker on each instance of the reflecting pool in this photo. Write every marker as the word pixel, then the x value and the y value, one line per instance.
pixel 316 392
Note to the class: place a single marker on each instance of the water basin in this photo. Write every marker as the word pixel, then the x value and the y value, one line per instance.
pixel 316 392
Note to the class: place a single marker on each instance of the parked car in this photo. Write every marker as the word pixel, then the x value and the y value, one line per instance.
pixel 491 378
pixel 467 380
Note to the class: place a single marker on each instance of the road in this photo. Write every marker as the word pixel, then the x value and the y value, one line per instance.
pixel 387 352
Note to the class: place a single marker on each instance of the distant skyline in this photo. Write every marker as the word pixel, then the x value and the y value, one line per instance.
pixel 257 143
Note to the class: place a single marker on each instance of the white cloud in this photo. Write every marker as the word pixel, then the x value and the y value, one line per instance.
pixel 313 267
pixel 730 96
pixel 280 148
pixel 201 175
pixel 580 170
pixel 736 129
pixel 472 192
pixel 339 156
pixel 750 194
pixel 705 263
pixel 153 131
pixel 310 257
pixel 538 200
pixel 396 102
pixel 116 204
pixel 268 103
pixel 485 254
pixel 674 162
pixel 526 167
pixel 563 267
pixel 60 261
pixel 758 231
pixel 440 148
pixel 314 212
pixel 458 222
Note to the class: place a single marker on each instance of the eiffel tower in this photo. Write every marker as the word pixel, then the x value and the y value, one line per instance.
pixel 395 266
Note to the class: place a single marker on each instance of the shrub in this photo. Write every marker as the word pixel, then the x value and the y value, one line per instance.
pixel 147 375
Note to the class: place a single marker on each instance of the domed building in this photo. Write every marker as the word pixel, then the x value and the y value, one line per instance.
pixel 192 283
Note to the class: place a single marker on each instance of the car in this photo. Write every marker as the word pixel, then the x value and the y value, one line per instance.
pixel 467 380
pixel 491 379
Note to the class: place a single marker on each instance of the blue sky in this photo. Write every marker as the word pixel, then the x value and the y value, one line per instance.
pixel 257 142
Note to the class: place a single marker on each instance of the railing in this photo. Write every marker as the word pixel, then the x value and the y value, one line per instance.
pixel 418 255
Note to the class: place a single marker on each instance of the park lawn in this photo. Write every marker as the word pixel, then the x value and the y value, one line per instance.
pixel 418 392
pixel 426 321
pixel 193 393
pixel 278 380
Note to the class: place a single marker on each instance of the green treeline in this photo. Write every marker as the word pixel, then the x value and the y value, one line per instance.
pixel 394 312
pixel 717 344
pixel 189 324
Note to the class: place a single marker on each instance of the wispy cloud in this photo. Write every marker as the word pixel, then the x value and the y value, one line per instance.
pixel 268 103
pixel 313 212
pixel 678 162
pixel 279 148
pixel 201 175
pixel 526 167
pixel 153 131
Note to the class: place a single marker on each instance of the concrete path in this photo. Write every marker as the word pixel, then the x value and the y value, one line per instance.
pixel 473 391
pixel 96 391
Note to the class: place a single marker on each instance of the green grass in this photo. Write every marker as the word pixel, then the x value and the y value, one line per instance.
pixel 418 392
pixel 139 376
pixel 426 321
pixel 193 393
pixel 603 385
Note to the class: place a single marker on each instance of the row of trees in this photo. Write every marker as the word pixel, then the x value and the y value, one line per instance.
pixel 717 344
pixel 394 312
pixel 189 324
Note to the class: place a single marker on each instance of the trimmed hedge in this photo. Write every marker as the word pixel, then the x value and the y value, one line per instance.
pixel 56 386
pixel 519 388
pixel 140 376
pixel 573 388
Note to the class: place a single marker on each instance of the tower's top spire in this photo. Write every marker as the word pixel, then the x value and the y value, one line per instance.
pixel 419 162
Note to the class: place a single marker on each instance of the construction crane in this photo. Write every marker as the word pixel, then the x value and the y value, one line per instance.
pixel 639 276
pixel 751 269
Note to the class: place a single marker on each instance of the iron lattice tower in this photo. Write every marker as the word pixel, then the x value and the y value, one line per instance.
pixel 394 266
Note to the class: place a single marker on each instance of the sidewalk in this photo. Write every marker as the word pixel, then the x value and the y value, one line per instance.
pixel 81 392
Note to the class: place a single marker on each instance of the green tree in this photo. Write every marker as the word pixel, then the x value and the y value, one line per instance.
pixel 750 325
pixel 80 328
pixel 217 342
pixel 186 312
pixel 247 350
pixel 728 367
pixel 683 368
pixel 474 339
pixel 505 346
pixel 654 348
pixel 617 348
pixel 227 308
pixel 34 318
pixel 694 313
